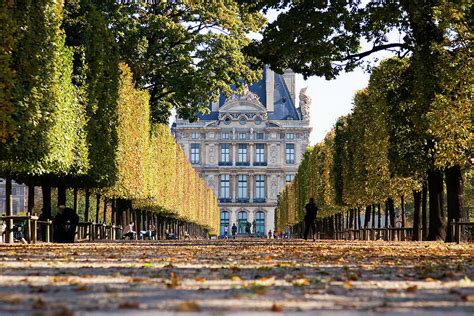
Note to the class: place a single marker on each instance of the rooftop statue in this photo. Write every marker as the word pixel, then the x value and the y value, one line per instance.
pixel 246 95
pixel 305 103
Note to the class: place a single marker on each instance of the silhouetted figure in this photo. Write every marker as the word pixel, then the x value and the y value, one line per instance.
pixel 248 226
pixel 42 227
pixel 59 226
pixel 72 219
pixel 311 212
pixel 234 230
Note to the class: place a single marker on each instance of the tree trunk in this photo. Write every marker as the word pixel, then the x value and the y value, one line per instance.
pixel 46 191
pixel 97 207
pixel 367 216
pixel 113 215
pixel 87 205
pixel 351 218
pixel 455 196
pixel 379 215
pixel 391 211
pixel 416 215
pixel 387 211
pixel 402 206
pixel 358 218
pixel 437 229
pixel 8 209
pixel 424 215
pixel 373 216
pixel 31 198
pixel 61 194
pixel 75 200
pixel 105 210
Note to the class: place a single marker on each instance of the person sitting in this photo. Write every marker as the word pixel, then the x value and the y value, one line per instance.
pixel 59 226
pixel 147 233
pixel 72 219
pixel 129 232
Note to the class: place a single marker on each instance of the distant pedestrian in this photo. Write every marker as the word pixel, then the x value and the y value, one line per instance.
pixel 311 212
pixel 234 230
pixel 287 232
pixel 248 226
pixel 270 234
pixel 226 232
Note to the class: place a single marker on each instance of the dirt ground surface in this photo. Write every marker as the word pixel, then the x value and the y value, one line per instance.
pixel 238 277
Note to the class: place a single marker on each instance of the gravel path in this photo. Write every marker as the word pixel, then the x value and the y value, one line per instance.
pixel 238 277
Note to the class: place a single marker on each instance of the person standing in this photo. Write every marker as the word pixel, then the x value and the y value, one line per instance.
pixel 234 230
pixel 287 232
pixel 72 220
pixel 311 212
pixel 226 232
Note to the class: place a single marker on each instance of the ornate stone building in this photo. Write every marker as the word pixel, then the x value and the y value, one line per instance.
pixel 248 147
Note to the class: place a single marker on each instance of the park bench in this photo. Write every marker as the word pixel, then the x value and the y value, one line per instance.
pixel 459 235
pixel 31 227
pixel 47 225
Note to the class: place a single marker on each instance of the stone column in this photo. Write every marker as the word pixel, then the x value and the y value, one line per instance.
pixel 251 186
pixel 251 153
pixel 233 187
pixel 233 157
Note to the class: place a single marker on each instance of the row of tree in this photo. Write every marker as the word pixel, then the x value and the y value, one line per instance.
pixel 428 100
pixel 75 115
pixel 389 150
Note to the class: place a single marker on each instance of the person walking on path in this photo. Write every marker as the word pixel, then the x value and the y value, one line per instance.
pixel 287 232
pixel 226 232
pixel 234 230
pixel 311 212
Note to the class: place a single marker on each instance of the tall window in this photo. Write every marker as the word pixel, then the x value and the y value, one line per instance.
pixel 289 178
pixel 260 136
pixel 242 186
pixel 225 153
pixel 260 223
pixel 242 136
pixel 242 153
pixel 290 153
pixel 260 187
pixel 260 153
pixel 290 136
pixel 225 187
pixel 195 153
pixel 225 135
pixel 242 220
pixel 224 221
pixel 195 135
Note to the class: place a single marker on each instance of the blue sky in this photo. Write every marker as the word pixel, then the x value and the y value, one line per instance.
pixel 332 99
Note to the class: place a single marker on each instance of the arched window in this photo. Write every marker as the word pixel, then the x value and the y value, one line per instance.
pixel 260 223
pixel 224 222
pixel 242 221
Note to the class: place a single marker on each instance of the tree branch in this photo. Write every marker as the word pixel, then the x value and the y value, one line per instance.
pixel 375 49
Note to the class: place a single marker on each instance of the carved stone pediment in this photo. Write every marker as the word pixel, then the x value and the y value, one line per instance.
pixel 245 102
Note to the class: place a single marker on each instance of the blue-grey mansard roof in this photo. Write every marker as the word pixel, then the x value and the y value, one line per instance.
pixel 284 106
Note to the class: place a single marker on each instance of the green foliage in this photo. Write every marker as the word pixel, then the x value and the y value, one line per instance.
pixel 185 53
pixel 7 42
pixel 152 170
pixel 48 119
pixel 96 73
